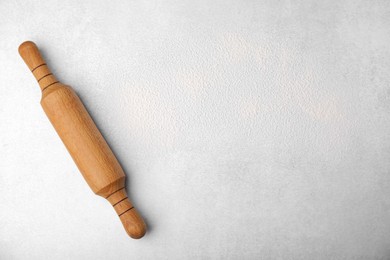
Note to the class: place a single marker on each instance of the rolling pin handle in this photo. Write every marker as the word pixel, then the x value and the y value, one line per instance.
pixel 131 219
pixel 37 65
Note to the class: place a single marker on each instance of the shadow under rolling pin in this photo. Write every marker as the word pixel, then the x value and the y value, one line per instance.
pixel 85 143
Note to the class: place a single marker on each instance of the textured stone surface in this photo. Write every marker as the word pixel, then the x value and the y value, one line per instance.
pixel 247 129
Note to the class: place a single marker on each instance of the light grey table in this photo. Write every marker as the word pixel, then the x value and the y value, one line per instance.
pixel 247 129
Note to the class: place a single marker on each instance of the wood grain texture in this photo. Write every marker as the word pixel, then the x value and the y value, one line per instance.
pixel 83 140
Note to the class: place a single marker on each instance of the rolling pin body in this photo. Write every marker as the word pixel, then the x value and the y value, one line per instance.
pixel 83 140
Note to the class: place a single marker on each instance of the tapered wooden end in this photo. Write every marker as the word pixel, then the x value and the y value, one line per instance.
pixel 30 54
pixel 37 65
pixel 131 219
pixel 133 223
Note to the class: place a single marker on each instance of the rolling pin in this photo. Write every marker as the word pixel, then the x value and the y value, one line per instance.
pixel 85 143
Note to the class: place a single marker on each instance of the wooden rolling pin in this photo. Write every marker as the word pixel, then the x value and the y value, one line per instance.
pixel 85 143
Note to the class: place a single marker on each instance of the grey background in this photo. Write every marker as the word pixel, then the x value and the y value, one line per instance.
pixel 247 129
